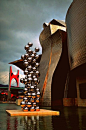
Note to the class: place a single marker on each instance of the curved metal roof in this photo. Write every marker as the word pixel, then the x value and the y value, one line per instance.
pixel 19 63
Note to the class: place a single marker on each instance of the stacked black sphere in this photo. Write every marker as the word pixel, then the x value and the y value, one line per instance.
pixel 31 92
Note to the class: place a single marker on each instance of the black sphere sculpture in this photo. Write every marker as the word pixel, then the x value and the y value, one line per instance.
pixel 31 92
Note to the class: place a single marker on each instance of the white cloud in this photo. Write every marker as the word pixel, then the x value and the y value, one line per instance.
pixel 22 35
pixel 4 77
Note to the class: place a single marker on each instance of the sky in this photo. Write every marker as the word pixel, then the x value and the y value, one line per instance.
pixel 21 21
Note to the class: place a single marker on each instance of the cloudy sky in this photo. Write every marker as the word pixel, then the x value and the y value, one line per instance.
pixel 21 22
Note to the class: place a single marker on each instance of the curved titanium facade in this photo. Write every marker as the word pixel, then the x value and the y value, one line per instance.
pixel 76 35
pixel 76 32
pixel 52 49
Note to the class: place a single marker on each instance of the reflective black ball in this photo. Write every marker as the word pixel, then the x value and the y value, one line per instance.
pixel 25 64
pixel 26 47
pixel 36 49
pixel 30 44
pixel 22 57
pixel 29 59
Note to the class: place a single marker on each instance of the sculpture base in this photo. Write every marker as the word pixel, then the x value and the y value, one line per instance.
pixel 42 112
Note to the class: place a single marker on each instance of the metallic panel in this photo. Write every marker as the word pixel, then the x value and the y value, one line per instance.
pixel 76 32
pixel 51 53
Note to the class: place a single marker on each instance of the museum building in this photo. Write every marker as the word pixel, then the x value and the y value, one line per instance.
pixel 63 61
